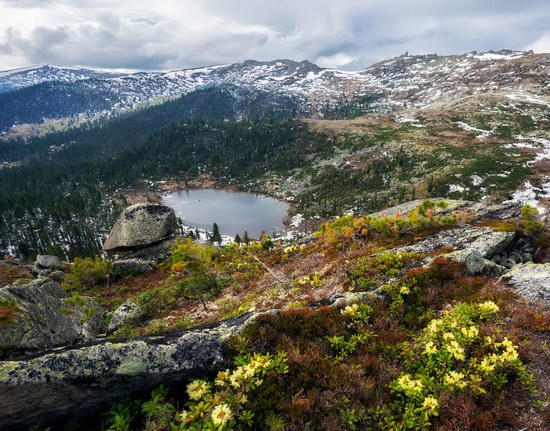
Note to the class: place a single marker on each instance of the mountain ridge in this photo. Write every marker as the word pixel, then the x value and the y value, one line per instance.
pixel 401 82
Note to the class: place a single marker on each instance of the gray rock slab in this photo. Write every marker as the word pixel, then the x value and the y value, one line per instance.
pixel 531 280
pixel 483 240
pixel 48 261
pixel 79 381
pixel 46 317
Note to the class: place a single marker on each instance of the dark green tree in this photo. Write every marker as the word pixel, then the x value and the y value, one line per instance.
pixel 216 236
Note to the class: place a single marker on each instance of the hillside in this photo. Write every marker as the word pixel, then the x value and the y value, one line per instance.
pixel 474 126
pixel 430 315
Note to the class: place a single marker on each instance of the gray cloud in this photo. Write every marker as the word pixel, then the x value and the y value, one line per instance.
pixel 349 34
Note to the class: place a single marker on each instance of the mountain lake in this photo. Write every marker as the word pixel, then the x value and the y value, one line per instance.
pixel 234 212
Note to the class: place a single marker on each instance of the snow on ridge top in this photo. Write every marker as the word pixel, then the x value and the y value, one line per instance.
pixel 501 55
pixel 9 72
pixel 54 67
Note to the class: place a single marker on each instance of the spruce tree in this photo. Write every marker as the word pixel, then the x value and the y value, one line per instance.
pixel 216 236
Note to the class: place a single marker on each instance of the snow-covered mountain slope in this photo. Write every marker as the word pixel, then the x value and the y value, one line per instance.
pixel 419 81
pixel 15 79
pixel 402 82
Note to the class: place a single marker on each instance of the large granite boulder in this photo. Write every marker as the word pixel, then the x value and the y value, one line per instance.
pixel 44 316
pixel 47 261
pixel 531 280
pixel 81 381
pixel 141 225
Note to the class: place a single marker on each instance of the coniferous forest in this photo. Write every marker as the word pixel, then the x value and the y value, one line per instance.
pixel 66 177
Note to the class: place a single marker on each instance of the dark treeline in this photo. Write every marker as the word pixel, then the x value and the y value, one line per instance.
pixel 107 137
pixel 54 100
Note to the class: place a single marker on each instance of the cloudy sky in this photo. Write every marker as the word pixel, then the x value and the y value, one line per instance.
pixel 346 34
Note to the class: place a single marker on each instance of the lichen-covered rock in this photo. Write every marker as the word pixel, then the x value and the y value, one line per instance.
pixel 45 316
pixel 126 267
pixel 483 240
pixel 47 261
pixel 475 262
pixel 80 381
pixel 127 315
pixel 407 207
pixel 531 280
pixel 341 300
pixel 141 225
pixel 58 276
pixel 503 211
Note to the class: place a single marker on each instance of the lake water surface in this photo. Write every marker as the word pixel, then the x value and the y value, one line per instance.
pixel 233 212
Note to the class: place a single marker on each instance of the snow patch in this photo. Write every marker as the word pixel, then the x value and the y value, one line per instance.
pixel 296 220
pixel 467 127
pixel 456 188
pixel 476 180
pixel 489 56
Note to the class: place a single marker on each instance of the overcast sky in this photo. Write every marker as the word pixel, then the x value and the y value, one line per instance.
pixel 345 34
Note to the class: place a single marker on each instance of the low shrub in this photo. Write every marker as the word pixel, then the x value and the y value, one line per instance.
pixel 87 273
pixel 531 224
pixel 422 218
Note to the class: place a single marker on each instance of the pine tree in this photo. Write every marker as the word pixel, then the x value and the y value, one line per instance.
pixel 246 239
pixel 238 239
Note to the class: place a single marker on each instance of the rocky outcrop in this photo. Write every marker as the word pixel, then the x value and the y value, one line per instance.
pixel 475 262
pixel 79 381
pixel 45 316
pixel 127 315
pixel 531 280
pixel 127 267
pixel 141 225
pixel 476 246
pixel 408 207
pixel 46 261
pixel 483 240
pixel 503 211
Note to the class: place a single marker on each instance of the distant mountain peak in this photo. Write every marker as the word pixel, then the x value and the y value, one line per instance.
pixel 407 81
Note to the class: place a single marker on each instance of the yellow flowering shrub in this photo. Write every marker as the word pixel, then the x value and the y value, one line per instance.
pixel 450 356
pixel 313 281
pixel 358 316
pixel 222 406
